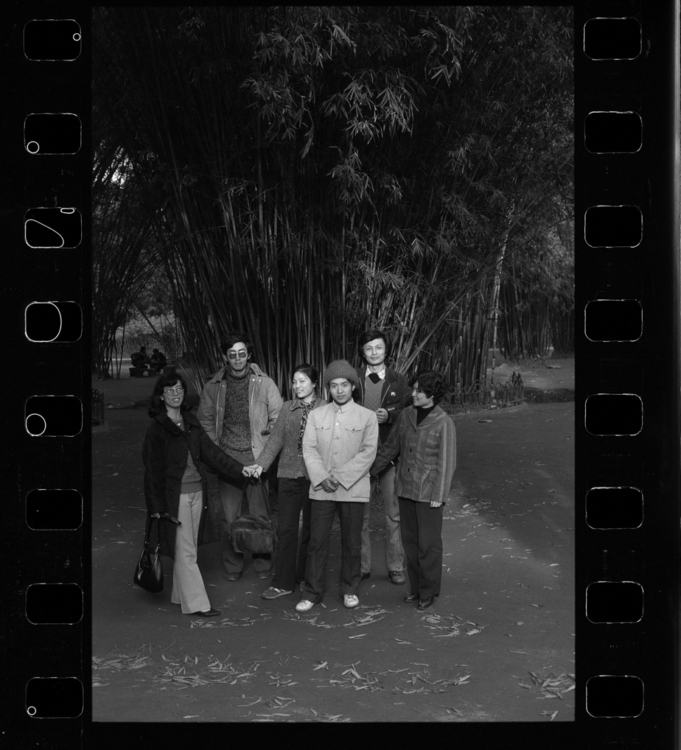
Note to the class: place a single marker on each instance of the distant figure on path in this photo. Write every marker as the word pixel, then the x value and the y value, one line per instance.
pixel 139 359
pixel 425 440
pixel 239 407
pixel 158 360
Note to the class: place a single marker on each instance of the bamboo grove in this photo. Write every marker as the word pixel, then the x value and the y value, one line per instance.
pixel 303 173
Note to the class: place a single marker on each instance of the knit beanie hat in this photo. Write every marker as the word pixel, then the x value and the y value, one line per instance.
pixel 340 368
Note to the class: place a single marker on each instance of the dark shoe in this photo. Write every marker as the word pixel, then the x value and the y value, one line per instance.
pixel 397 577
pixel 412 598
pixel 426 603
pixel 233 576
pixel 208 613
pixel 263 574
pixel 365 576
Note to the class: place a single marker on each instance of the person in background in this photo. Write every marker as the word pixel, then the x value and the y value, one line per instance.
pixel 425 440
pixel 158 360
pixel 174 452
pixel 286 441
pixel 339 447
pixel 385 392
pixel 139 359
pixel 238 409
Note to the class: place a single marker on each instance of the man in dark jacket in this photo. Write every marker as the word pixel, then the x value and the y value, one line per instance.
pixel 385 392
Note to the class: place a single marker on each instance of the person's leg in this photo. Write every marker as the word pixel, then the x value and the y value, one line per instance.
pixel 430 549
pixel 351 516
pixel 409 533
pixel 230 498
pixel 394 551
pixel 365 538
pixel 287 545
pixel 321 519
pixel 306 503
pixel 188 587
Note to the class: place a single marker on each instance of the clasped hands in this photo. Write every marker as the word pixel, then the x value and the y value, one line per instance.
pixel 253 471
pixel 330 484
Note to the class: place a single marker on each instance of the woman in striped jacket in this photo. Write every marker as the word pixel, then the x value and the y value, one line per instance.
pixel 425 440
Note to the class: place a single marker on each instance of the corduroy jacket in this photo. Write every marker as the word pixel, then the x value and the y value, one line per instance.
pixel 427 455
pixel 284 438
pixel 395 396
pixel 346 451
pixel 264 405
pixel 164 454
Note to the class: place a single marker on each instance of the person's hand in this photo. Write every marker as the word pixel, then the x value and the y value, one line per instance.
pixel 435 504
pixel 155 515
pixel 382 415
pixel 254 470
pixel 330 484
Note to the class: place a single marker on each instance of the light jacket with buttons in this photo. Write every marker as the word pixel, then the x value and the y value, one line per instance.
pixel 427 455
pixel 264 405
pixel 345 450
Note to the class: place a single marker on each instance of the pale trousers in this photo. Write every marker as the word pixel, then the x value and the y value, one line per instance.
pixel 394 551
pixel 188 588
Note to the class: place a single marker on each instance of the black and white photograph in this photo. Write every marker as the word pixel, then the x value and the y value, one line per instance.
pixel 333 370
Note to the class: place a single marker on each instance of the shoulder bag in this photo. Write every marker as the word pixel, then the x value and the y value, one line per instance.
pixel 149 573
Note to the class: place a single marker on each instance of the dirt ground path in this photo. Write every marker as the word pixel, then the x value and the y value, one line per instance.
pixel 497 646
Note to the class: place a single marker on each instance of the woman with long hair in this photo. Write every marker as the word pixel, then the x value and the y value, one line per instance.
pixel 294 484
pixel 174 451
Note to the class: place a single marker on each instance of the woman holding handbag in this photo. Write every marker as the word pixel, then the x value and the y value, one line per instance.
pixel 294 484
pixel 174 451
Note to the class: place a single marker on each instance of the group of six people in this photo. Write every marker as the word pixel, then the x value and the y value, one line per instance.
pixel 375 427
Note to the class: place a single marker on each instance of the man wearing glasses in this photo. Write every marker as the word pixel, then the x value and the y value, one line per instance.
pixel 239 406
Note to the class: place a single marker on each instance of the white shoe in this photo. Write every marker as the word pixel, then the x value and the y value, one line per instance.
pixel 304 605
pixel 350 601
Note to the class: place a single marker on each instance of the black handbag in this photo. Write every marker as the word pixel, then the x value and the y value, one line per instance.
pixel 255 534
pixel 149 573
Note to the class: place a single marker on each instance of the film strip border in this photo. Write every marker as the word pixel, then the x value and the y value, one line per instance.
pixel 627 471
pixel 627 386
pixel 46 223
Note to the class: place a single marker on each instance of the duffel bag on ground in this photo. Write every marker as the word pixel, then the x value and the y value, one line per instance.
pixel 254 534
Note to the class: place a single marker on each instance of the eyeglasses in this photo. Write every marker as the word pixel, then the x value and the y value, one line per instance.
pixel 241 355
pixel 177 389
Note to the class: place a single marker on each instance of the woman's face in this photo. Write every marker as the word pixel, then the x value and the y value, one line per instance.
pixel 419 398
pixel 173 396
pixel 302 385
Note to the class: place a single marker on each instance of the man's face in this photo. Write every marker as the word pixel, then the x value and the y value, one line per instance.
pixel 341 390
pixel 374 352
pixel 237 358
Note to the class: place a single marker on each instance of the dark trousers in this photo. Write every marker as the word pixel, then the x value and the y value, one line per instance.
pixel 421 528
pixel 351 515
pixel 294 496
pixel 231 496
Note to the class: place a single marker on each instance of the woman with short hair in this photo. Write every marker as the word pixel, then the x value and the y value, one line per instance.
pixel 425 440
pixel 286 441
pixel 174 451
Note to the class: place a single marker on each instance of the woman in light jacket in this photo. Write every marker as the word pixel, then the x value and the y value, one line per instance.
pixel 425 440
pixel 294 483
pixel 174 451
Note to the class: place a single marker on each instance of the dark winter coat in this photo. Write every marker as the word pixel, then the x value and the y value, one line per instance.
pixel 164 454
pixel 395 396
